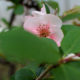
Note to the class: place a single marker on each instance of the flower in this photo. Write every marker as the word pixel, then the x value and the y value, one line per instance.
pixel 44 25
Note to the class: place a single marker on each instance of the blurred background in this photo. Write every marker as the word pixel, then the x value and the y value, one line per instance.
pixel 15 17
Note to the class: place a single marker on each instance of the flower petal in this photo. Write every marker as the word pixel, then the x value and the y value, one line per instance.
pixel 43 9
pixel 53 20
pixel 32 23
pixel 39 13
pixel 57 35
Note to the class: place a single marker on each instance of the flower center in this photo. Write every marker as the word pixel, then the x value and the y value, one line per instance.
pixel 43 30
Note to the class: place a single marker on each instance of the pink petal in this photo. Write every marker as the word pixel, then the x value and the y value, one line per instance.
pixel 57 36
pixel 32 23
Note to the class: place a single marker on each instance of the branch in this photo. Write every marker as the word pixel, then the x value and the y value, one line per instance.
pixel 62 61
pixel 11 20
pixel 43 74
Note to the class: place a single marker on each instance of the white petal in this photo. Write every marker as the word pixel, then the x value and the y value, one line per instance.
pixel 76 58
pixel 44 19
pixel 70 55
pixel 53 20
pixel 43 9
pixel 37 13
pixel 73 56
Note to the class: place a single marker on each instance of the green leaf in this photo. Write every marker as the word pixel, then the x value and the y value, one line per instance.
pixel 71 41
pixel 32 66
pixel 11 7
pixel 39 3
pixel 24 74
pixel 69 71
pixel 12 77
pixel 5 22
pixel 70 17
pixel 40 70
pixel 19 45
pixel 49 79
pixel 37 69
pixel 67 28
pixel 47 8
pixel 19 9
pixel 53 4
pixel 15 1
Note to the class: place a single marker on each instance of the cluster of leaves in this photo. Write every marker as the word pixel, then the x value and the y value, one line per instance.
pixel 20 46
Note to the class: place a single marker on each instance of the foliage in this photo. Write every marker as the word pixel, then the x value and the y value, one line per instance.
pixel 19 9
pixel 19 42
pixel 41 57
pixel 53 4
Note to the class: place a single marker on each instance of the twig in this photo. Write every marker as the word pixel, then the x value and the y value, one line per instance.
pixel 56 11
pixel 62 61
pixel 11 20
pixel 43 74
pixel 13 15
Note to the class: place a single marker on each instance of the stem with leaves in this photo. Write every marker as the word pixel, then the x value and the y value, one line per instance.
pixel 42 75
pixel 62 61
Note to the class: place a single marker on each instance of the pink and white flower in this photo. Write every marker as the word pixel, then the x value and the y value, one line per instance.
pixel 44 25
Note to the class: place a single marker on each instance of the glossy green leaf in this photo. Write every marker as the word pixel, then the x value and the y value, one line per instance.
pixel 53 4
pixel 37 69
pixel 24 74
pixel 69 71
pixel 32 66
pixel 67 28
pixel 71 41
pixel 19 9
pixel 5 22
pixel 47 8
pixel 70 17
pixel 19 45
